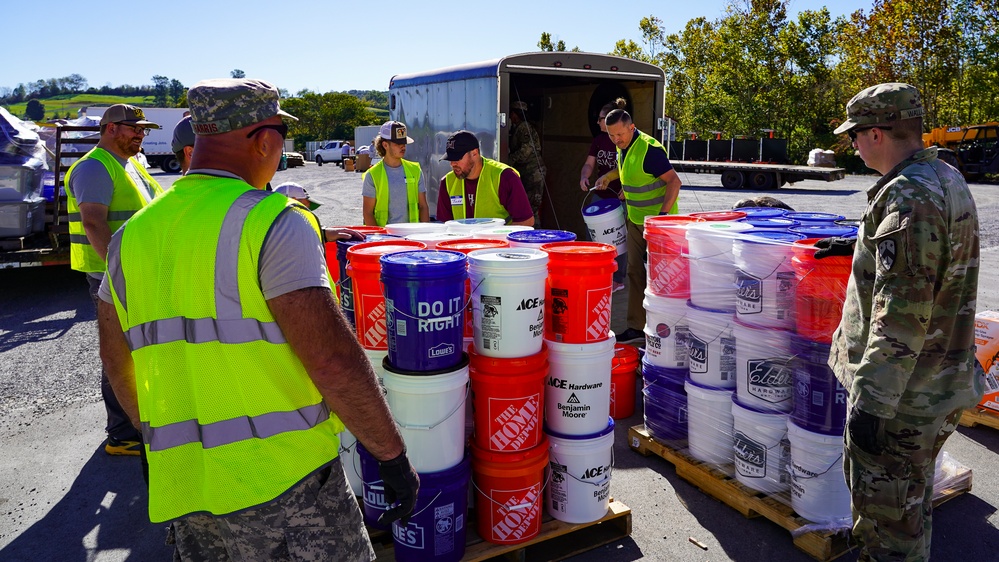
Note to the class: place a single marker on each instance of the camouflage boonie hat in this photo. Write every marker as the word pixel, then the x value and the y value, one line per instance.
pixel 883 103
pixel 226 104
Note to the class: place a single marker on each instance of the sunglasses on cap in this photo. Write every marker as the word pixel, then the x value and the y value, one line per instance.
pixel 282 128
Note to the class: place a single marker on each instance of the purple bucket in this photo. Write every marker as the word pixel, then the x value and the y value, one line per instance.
pixel 436 530
pixel 666 409
pixel 373 490
pixel 819 399
pixel 346 290
pixel 662 376
pixel 424 308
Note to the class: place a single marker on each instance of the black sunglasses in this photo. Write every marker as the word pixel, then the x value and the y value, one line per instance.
pixel 282 128
pixel 853 132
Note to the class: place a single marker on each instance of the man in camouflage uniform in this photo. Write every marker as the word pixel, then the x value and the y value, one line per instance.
pixel 525 156
pixel 905 346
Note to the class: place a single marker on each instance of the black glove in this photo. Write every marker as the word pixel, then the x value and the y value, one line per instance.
pixel 865 431
pixel 401 486
pixel 834 247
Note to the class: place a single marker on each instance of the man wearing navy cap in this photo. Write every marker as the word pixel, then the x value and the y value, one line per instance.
pixel 477 187
pixel 182 144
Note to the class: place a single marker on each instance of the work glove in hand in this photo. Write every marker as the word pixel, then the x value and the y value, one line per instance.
pixel 865 431
pixel 401 486
pixel 834 247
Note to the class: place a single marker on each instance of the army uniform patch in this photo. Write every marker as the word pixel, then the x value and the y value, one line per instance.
pixel 886 254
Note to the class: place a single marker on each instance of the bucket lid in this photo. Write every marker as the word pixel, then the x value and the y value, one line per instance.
pixel 500 232
pixel 579 252
pixel 625 354
pixel 764 236
pixel 433 236
pixel 476 221
pixel 804 217
pixel 601 206
pixel 762 212
pixel 690 304
pixel 826 230
pixel 423 263
pixel 466 245
pixel 666 223
pixel 405 228
pixel 370 252
pixel 720 215
pixel 365 229
pixel 507 256
pixel 770 222
pixel 601 433
pixel 505 366
pixel 717 228
pixel 541 236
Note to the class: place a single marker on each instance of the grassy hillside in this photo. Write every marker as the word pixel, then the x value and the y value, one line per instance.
pixel 72 102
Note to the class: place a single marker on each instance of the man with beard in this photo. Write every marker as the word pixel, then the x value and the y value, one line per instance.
pixel 477 187
pixel 105 188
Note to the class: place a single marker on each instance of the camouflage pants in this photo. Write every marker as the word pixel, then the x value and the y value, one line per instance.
pixel 892 492
pixel 533 179
pixel 318 519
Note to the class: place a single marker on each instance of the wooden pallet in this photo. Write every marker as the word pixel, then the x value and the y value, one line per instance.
pixel 556 541
pixel 721 485
pixel 980 416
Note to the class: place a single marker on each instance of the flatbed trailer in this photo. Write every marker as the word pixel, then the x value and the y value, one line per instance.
pixel 735 175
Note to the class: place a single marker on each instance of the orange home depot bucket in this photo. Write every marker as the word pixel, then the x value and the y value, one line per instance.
pixel 624 369
pixel 820 292
pixel 466 245
pixel 578 291
pixel 364 271
pixel 509 493
pixel 508 400
pixel 666 238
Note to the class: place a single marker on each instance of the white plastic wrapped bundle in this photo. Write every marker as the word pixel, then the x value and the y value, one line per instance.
pixel 709 423
pixel 764 375
pixel 711 347
pixel 712 266
pixel 764 278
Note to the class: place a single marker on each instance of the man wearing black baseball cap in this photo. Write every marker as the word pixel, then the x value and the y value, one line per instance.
pixel 477 187
pixel 183 143
pixel 105 188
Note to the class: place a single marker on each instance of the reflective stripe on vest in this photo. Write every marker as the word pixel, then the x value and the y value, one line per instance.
pixel 644 194
pixel 379 177
pixel 487 204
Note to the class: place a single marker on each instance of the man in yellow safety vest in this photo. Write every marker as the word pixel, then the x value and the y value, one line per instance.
pixel 393 190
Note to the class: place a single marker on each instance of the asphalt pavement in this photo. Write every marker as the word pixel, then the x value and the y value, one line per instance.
pixel 63 498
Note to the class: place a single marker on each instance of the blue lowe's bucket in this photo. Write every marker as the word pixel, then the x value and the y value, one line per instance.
pixel 819 399
pixel 814 218
pixel 762 212
pixel 665 409
pixel 346 291
pixel 373 489
pixel 771 223
pixel 662 376
pixel 436 530
pixel 538 238
pixel 424 308
pixel 826 231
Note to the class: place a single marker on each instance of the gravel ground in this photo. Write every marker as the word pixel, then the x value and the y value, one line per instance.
pixel 57 479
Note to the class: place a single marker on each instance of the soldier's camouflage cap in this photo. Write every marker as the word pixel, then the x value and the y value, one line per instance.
pixel 884 103
pixel 225 104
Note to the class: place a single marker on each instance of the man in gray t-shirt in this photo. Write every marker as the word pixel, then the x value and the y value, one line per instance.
pixel 389 202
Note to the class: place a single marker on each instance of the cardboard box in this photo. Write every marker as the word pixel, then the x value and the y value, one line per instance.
pixel 987 344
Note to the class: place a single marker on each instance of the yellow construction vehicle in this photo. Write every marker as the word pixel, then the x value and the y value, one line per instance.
pixel 973 149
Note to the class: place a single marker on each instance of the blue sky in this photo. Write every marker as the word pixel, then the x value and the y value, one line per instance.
pixel 320 45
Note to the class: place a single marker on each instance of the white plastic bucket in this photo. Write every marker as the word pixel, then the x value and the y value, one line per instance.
pixel 508 300
pixel 408 228
pixel 711 351
pixel 764 374
pixel 666 331
pixel 605 221
pixel 432 238
pixel 764 281
pixel 430 411
pixel 467 227
pixel 351 460
pixel 709 423
pixel 580 465
pixel 818 489
pixel 377 357
pixel 712 269
pixel 761 448
pixel 499 233
pixel 577 395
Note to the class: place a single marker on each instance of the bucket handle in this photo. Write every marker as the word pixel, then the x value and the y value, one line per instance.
pixel 790 469
pixel 594 484
pixel 518 507
pixel 460 406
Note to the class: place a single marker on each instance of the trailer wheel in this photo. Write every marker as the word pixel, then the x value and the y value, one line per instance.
pixel 319 160
pixel 170 165
pixel 762 181
pixel 732 179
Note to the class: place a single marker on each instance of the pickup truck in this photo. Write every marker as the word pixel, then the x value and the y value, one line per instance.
pixel 330 151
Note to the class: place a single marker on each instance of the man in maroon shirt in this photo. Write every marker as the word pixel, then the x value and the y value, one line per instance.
pixel 503 195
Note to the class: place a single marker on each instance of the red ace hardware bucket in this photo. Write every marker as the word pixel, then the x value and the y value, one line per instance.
pixel 578 291
pixel 466 245
pixel 669 272
pixel 820 291
pixel 577 399
pixel 508 399
pixel 509 493
pixel 424 308
pixel 624 372
pixel 508 300
pixel 436 530
pixel 579 486
pixel 364 271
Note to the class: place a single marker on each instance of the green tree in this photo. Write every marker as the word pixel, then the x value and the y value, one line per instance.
pixel 326 116
pixel 237 73
pixel 178 93
pixel 161 91
pixel 545 44
pixel 35 110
